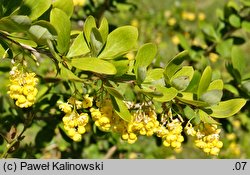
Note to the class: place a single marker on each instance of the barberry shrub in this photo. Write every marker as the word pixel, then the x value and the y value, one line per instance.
pixel 93 81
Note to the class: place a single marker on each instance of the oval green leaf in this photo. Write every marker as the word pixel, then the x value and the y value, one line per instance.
pixel 145 55
pixel 79 47
pixel 94 65
pixel 155 76
pixel 119 41
pixel 40 34
pixel 216 84
pixel 227 108
pixel 88 26
pixel 67 74
pixel 204 81
pixel 65 5
pixel 17 23
pixel 212 97
pixel 168 94
pixel 114 92
pixel 182 78
pixel 61 23
pixel 121 109
pixel 206 118
pixel 104 29
pixel 175 64
pixel 234 20
pixel 34 8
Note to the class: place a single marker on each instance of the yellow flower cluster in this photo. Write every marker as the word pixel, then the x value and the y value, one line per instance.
pixel 22 88
pixel 143 123
pixel 75 123
pixel 172 135
pixel 103 116
pixel 207 139
pixel 234 147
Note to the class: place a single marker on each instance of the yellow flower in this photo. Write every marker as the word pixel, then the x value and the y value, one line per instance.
pixel 175 39
pixel 201 16
pixel 231 136
pixel 87 101
pixel 79 2
pixel 135 23
pixel 171 21
pixel 65 107
pixel 188 16
pixel 213 57
pixel 130 56
pixel 234 148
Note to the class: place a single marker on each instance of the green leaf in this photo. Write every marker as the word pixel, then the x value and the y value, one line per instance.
pixel 17 23
pixel 214 92
pixel 112 91
pixel 204 81
pixel 104 29
pixel 94 65
pixel 216 84
pixel 227 108
pixel 24 41
pixel 121 109
pixel 175 64
pixel 34 8
pixel 96 42
pixel 149 90
pixel 141 74
pixel 121 66
pixel 246 86
pixel 206 118
pixel 234 5
pixel 155 76
pixel 223 46
pixel 168 94
pixel 65 5
pixel 234 20
pixel 67 74
pixel 191 115
pixel 182 78
pixel 238 60
pixel 144 58
pixel 188 98
pixel 46 25
pixel 193 85
pixel 88 26
pixel 231 89
pixel 5 52
pixel 62 24
pixel 120 41
pixel 209 30
pixel 79 47
pixel 183 42
pixel 235 73
pixel 145 55
pixel 2 52
pixel 246 25
pixel 212 97
pixel 180 83
pixel 40 34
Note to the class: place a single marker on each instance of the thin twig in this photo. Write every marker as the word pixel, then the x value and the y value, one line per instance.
pixel 110 152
